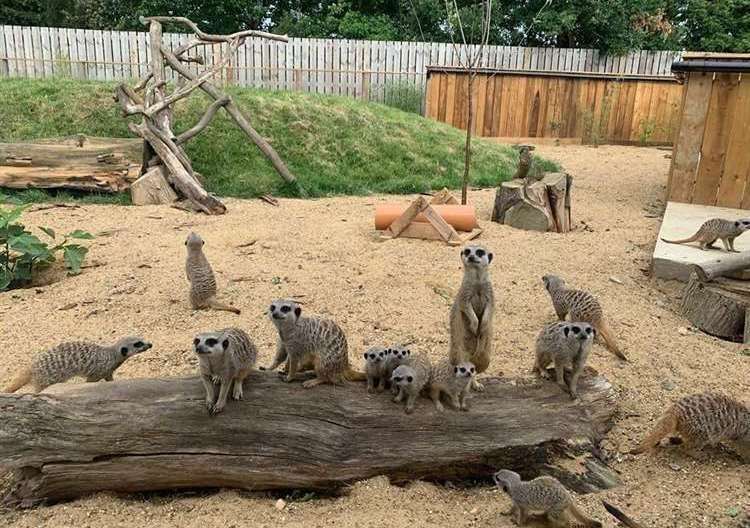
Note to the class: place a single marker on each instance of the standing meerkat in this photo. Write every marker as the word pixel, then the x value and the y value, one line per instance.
pixel 201 277
pixel 225 357
pixel 375 365
pixel 304 338
pixel 542 495
pixel 397 355
pixel 77 358
pixel 715 229
pixel 410 379
pixel 452 380
pixel 472 313
pixel 701 420
pixel 564 344
pixel 582 307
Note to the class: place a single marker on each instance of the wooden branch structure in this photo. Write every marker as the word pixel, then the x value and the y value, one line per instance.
pixel 155 434
pixel 162 148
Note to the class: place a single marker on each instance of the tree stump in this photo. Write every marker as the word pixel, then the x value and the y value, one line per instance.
pixel 155 434
pixel 152 189
pixel 718 307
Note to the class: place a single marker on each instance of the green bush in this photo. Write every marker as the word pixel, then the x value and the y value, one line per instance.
pixel 22 253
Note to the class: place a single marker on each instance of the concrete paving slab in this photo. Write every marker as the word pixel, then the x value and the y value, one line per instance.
pixel 681 220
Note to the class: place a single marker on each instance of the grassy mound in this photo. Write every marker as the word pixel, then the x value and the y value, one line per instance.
pixel 334 145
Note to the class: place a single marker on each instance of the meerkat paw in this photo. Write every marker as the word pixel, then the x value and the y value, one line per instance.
pixel 573 396
pixel 477 386
pixel 312 383
pixel 409 410
pixel 216 409
pixel 439 407
pixel 216 380
pixel 209 405
pixel 237 391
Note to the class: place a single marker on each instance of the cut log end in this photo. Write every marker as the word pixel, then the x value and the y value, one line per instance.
pixel 542 205
pixel 147 435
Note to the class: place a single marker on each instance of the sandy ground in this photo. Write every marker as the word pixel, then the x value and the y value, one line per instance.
pixel 326 253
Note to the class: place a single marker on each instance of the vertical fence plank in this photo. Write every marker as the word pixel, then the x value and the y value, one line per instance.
pixel 4 55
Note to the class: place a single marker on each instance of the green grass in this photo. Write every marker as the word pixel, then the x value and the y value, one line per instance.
pixel 334 145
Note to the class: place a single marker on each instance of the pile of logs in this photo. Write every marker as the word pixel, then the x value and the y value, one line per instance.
pixel 534 200
pixel 167 172
pixel 717 297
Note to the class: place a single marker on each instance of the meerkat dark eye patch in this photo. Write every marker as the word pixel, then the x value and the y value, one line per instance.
pixel 566 331
pixel 471 370
pixel 286 309
pixel 196 341
pixel 124 351
pixel 576 330
pixel 211 341
pixel 588 330
pixel 273 307
pixel 480 253
pixel 466 252
pixel 138 344
pixel 409 379
pixel 397 379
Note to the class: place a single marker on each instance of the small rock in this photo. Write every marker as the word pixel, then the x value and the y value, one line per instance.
pixel 280 504
pixel 668 385
pixel 615 280
pixel 683 331
pixel 474 511
pixel 675 467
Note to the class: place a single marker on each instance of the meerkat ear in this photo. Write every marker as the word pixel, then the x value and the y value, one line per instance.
pixel 566 330
pixel 489 257
pixel 225 344
pixel 297 311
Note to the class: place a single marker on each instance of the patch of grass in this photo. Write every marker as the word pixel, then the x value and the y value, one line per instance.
pixel 404 96
pixel 334 145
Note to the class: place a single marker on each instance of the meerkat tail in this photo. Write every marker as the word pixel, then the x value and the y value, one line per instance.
pixel 609 341
pixel 581 517
pixel 353 375
pixel 666 425
pixel 21 379
pixel 682 241
pixel 216 305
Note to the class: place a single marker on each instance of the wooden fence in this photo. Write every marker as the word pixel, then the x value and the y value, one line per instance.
pixel 591 107
pixel 371 70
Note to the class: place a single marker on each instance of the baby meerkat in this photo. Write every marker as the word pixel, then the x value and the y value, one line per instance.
pixel 472 313
pixel 701 420
pixel 410 379
pixel 77 358
pixel 201 277
pixel 310 338
pixel 397 355
pixel 714 229
pixel 225 357
pixel 564 344
pixel 452 380
pixel 542 495
pixel 375 361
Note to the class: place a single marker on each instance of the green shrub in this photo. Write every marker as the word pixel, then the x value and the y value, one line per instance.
pixel 22 253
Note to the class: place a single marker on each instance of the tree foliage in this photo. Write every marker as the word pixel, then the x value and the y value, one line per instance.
pixel 614 26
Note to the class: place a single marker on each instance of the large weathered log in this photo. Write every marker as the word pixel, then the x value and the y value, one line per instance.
pixel 507 195
pixel 723 264
pixel 152 188
pixel 718 308
pixel 104 165
pixel 142 435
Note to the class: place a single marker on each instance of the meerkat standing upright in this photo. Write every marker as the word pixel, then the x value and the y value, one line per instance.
pixel 472 313
pixel 226 357
pixel 543 495
pixel 714 229
pixel 201 277
pixel 565 344
pixel 582 307
pixel 77 358
pixel 375 365
pixel 304 338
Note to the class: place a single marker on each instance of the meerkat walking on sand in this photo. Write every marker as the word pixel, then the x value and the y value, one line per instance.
pixel 714 229
pixel 582 307
pixel 472 313
pixel 701 420
pixel 564 344
pixel 77 358
pixel 201 277
pixel 542 495
pixel 410 379
pixel 304 338
pixel 225 358
pixel 452 380
pixel 375 366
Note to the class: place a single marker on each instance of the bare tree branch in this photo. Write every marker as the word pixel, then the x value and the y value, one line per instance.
pixel 208 37
pixel 204 121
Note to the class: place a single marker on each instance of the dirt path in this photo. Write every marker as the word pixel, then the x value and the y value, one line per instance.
pixel 325 252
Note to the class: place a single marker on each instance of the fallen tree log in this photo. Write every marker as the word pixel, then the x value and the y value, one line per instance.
pixel 81 163
pixel 155 434
pixel 726 264
pixel 718 307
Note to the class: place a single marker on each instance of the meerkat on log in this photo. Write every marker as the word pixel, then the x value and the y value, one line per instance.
pixel 472 313
pixel 452 380
pixel 410 379
pixel 542 495
pixel 303 338
pixel 201 277
pixel 375 366
pixel 77 358
pixel 703 420
pixel 564 344
pixel 583 307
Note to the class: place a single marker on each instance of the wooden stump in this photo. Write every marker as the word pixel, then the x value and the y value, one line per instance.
pixel 718 307
pixel 542 205
pixel 155 434
pixel 152 189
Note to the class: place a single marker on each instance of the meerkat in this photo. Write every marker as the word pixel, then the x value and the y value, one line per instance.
pixel 452 380
pixel 582 307
pixel 77 358
pixel 201 277
pixel 472 313
pixel 375 361
pixel 701 420
pixel 310 338
pixel 542 495
pixel 410 379
pixel 564 344
pixel 225 358
pixel 714 229
pixel 397 355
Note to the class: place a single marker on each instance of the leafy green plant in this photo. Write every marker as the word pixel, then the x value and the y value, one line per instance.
pixel 22 253
pixel 646 130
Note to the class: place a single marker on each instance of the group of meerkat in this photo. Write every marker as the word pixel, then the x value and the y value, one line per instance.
pixel 315 351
